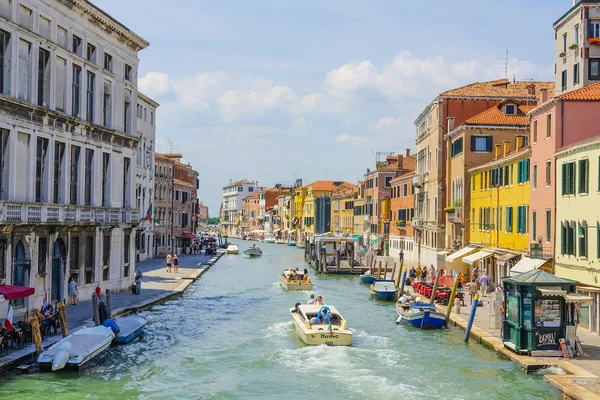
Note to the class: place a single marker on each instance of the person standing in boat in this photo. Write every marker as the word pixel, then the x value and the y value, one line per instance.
pixel 306 278
pixel 169 262
pixel 138 281
pixel 311 301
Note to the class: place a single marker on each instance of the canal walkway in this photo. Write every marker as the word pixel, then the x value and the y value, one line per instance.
pixel 158 285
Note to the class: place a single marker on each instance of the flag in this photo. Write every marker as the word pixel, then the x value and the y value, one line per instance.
pixel 9 317
pixel 149 213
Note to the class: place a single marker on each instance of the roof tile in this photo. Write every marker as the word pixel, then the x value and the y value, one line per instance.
pixel 495 116
pixel 587 93
pixel 502 88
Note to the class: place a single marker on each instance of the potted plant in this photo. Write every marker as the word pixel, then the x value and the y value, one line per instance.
pixel 449 209
pixel 594 41
pixel 562 54
pixel 573 46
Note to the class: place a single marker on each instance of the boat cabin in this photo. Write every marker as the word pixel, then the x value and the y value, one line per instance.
pixel 308 312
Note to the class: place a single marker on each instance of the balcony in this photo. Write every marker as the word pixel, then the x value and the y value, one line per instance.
pixel 417 222
pixel 455 215
pixel 17 213
pixel 419 180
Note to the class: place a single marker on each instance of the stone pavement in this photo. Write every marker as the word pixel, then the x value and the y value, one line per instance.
pixel 158 285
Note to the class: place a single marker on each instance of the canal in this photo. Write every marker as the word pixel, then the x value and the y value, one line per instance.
pixel 231 337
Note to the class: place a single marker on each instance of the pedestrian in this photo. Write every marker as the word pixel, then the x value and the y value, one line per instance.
pixel 501 313
pixel 431 271
pixel 418 271
pixel 472 289
pixel 169 262
pixel 138 281
pixel 484 281
pixel 176 263
pixel 401 255
pixel 73 291
pixel 424 274
pixel 319 301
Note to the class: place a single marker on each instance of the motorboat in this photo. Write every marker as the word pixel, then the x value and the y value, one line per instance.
pixel 367 277
pixel 269 239
pixel 76 350
pixel 294 280
pixel 280 241
pixel 316 325
pixel 300 245
pixel 421 315
pixel 130 328
pixel 384 290
pixel 233 249
pixel 253 251
pixel 291 243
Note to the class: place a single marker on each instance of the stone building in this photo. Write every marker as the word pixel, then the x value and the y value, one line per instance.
pixel 163 181
pixel 67 148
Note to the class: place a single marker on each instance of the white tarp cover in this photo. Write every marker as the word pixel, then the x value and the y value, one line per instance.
pixel 471 258
pixel 526 264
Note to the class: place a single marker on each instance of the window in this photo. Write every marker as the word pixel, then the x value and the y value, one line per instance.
pixel 534 177
pixel 91 53
pixel 535 131
pixel 388 179
pixel 74 258
pixel 509 219
pixel 61 37
pixel 76 45
pixel 108 62
pixel 127 112
pixel 481 143
pixel 59 155
pixel 568 178
pixel 576 34
pixel 584 176
pixel 548 173
pixel 506 175
pixel 250 189
pixel 24 71
pixel 76 96
pixel 567 238
pixel 105 180
pixel 126 253
pixel 91 78
pixel 128 73
pixel 4 154
pixel 25 18
pixel 4 61
pixel 457 147
pixel 151 117
pixel 534 225
pixel 548 225
pixel 510 109
pixel 594 69
pixel 582 238
pixel 499 218
pixel 44 26
pixel 60 96
pixel 89 167
pixel 564 43
pixel 126 178
pixel 105 257
pixel 563 80
pixel 42 255
pixel 44 78
pixel 74 173
pixel 576 73
pixel 40 170
pixel 521 219
pixel 523 171
pixel 549 125
pixel 107 105
pixel 594 30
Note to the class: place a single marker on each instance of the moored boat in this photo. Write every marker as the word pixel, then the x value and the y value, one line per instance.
pixel 367 277
pixel 76 350
pixel 384 290
pixel 233 249
pixel 291 243
pixel 130 328
pixel 317 325
pixel 253 251
pixel 421 315
pixel 280 241
pixel 300 245
pixel 294 280
pixel 269 239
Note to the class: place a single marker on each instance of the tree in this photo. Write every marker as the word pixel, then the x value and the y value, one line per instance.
pixel 213 221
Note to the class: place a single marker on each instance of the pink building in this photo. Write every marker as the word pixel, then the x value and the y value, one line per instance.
pixel 555 124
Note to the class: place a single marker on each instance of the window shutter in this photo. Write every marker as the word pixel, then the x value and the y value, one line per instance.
pixel 472 143
pixel 489 144
pixel 587 176
pixel 519 172
pixel 564 178
pixel 528 170
pixel 563 244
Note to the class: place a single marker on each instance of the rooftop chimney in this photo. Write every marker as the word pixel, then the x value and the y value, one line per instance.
pixel 498 150
pixel 506 148
pixel 450 124
pixel 407 152
pixel 368 170
pixel 544 94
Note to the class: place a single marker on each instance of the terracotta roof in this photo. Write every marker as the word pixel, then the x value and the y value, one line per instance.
pixel 171 155
pixel 345 190
pixel 587 93
pixel 495 116
pixel 327 186
pixel 502 88
pixel 402 177
pixel 252 196
pixel 242 182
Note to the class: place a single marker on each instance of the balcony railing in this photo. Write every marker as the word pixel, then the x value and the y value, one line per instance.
pixel 418 180
pixel 35 213
pixel 456 215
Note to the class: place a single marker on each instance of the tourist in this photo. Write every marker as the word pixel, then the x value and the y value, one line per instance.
pixel 176 263
pixel 73 291
pixel 472 289
pixel 138 281
pixel 418 272
pixel 169 262
pixel 401 255
pixel 98 291
pixel 314 320
pixel 49 311
pixel 423 274
pixel 306 278
pixel 412 275
pixel 311 301
pixel 431 271
pixel 501 313
pixel 319 301
pixel 484 281
pixel 475 273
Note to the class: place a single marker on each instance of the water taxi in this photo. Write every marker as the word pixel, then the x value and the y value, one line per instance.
pixel 294 280
pixel 253 251
pixel 233 249
pixel 269 239
pixel 300 245
pixel 317 325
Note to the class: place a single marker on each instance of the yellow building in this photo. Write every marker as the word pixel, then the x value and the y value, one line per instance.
pixel 359 203
pixel 342 210
pixel 499 210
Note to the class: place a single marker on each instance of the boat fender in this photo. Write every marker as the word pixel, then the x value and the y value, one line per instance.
pixel 109 323
pixel 61 356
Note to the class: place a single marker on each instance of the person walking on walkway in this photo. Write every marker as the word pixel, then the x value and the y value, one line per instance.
pixel 73 291
pixel 484 280
pixel 169 262
pixel 472 289
pixel 401 255
pixel 176 263
pixel 138 281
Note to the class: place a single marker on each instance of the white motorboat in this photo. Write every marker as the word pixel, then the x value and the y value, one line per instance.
pixel 316 325
pixel 269 239
pixel 280 241
pixel 294 280
pixel 233 249
pixel 253 251
pixel 77 349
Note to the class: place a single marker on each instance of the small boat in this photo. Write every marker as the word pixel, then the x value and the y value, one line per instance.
pixel 253 251
pixel 233 249
pixel 77 349
pixel 280 241
pixel 317 325
pixel 291 243
pixel 368 277
pixel 300 245
pixel 384 290
pixel 294 280
pixel 421 315
pixel 130 327
pixel 269 239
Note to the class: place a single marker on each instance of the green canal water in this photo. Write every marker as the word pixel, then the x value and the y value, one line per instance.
pixel 231 337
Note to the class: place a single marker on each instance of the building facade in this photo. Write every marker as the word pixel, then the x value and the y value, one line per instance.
pixel 402 205
pixel 144 191
pixel 359 209
pixel 342 210
pixel 163 207
pixel 202 214
pixel 67 148
pixel 233 194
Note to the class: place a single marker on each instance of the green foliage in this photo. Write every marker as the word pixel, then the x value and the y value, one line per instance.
pixel 213 221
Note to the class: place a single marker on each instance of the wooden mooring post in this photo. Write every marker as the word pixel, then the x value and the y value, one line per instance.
pixel 36 334
pixel 95 309
pixel 62 316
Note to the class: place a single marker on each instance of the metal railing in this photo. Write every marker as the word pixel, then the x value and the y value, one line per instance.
pixel 35 213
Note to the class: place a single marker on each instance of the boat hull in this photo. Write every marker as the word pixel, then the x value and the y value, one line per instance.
pixel 321 336
pixel 291 244
pixel 295 285
pixel 300 246
pixel 131 328
pixel 386 296
pixel 423 320
pixel 367 279
pixel 384 290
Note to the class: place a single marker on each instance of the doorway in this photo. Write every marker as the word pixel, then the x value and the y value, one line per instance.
pixel 21 270
pixel 58 259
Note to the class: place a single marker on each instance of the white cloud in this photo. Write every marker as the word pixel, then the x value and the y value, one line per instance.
pixel 387 124
pixel 355 140
pixel 154 84
pixel 234 102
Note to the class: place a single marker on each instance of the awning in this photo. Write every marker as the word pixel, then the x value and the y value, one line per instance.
pixel 480 255
pixel 460 253
pixel 357 236
pixel 591 289
pixel 578 298
pixel 15 292
pixel 191 236
pixel 376 240
pixel 502 258
pixel 551 290
pixel 526 264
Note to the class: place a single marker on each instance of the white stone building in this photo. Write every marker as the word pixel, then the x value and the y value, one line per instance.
pixel 231 210
pixel 67 148
pixel 146 130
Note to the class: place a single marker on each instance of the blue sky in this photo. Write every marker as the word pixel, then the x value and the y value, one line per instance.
pixel 274 90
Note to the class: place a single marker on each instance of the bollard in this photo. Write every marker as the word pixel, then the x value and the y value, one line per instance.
pixel 402 283
pixel 456 306
pixel 95 309
pixel 435 286
pixel 451 302
pixel 107 301
pixel 36 334
pixel 471 318
pixel 62 316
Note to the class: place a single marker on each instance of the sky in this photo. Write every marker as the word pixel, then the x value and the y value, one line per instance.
pixel 274 90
